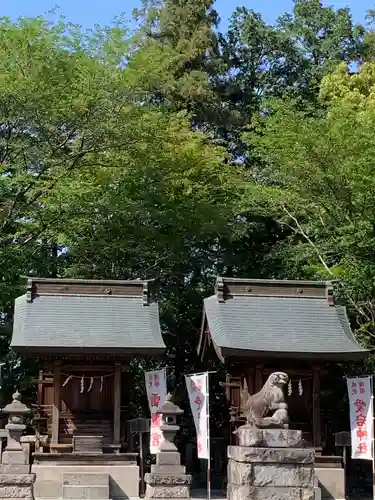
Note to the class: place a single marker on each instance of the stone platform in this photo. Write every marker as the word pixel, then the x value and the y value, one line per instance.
pixel 66 476
pixel 270 465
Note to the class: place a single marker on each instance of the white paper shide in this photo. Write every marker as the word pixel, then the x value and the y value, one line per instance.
pixel 156 387
pixel 197 387
pixel 361 416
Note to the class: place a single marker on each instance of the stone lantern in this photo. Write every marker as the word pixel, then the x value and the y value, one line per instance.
pixel 15 478
pixel 168 478
pixel 14 453
pixel 169 412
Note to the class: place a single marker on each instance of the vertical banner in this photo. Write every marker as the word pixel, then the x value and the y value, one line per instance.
pixel 197 387
pixel 361 416
pixel 156 387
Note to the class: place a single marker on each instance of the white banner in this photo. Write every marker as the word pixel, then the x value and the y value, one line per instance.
pixel 361 416
pixel 156 387
pixel 197 387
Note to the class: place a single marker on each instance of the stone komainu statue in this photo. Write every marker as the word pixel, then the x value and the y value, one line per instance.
pixel 257 407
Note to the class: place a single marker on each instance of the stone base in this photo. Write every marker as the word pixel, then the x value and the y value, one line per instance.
pixel 167 491
pixel 49 484
pixel 15 457
pixel 249 454
pixel 17 486
pixel 273 467
pixel 245 492
pixel 249 435
pixel 262 474
pixel 168 485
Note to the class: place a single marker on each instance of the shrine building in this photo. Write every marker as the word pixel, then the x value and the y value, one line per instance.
pixel 256 327
pixel 85 333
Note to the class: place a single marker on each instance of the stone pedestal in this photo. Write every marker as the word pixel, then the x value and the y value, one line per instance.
pixel 168 478
pixel 17 486
pixel 15 478
pixel 270 464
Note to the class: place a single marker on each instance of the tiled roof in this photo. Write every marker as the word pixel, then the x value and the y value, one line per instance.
pixel 278 323
pixel 107 323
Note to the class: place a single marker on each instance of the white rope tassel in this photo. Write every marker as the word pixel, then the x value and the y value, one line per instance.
pixel 67 380
pixel 91 384
pixel 289 388
pixel 300 388
pixel 101 384
pixel 82 384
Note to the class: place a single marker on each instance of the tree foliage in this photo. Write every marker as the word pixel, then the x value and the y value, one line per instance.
pixel 319 182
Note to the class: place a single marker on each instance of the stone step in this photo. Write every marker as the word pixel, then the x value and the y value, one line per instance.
pixel 69 438
pixel 89 424
pixel 85 478
pixel 87 492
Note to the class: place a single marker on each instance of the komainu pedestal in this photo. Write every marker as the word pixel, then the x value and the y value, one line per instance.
pixel 270 464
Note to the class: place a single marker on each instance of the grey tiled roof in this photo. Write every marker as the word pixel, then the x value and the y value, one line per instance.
pixel 280 325
pixel 104 322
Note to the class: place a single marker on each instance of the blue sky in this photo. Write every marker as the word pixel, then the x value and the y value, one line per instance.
pixel 90 12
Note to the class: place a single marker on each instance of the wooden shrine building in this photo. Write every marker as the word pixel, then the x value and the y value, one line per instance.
pixel 85 332
pixel 256 327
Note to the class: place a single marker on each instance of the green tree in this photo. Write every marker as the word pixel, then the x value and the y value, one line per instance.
pixel 319 183
pixel 58 101
pixel 99 181
pixel 178 55
pixel 287 60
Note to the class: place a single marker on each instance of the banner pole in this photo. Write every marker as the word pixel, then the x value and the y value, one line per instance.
pixel 209 440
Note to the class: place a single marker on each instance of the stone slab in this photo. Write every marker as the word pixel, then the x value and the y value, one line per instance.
pixel 17 457
pixel 17 486
pixel 283 475
pixel 239 472
pixel 17 492
pixel 290 475
pixel 168 458
pixel 47 489
pixel 167 491
pixel 250 454
pixel 168 469
pixel 124 479
pixel 85 478
pixel 168 479
pixel 246 492
pixel 331 482
pixel 19 479
pixel 86 492
pixel 269 438
pixel 14 469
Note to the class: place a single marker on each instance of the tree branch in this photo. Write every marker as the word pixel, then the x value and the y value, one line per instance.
pixel 308 239
pixel 303 233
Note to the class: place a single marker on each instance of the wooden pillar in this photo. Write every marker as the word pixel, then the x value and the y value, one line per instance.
pixel 40 388
pixel 258 377
pixel 117 405
pixel 56 402
pixel 316 407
